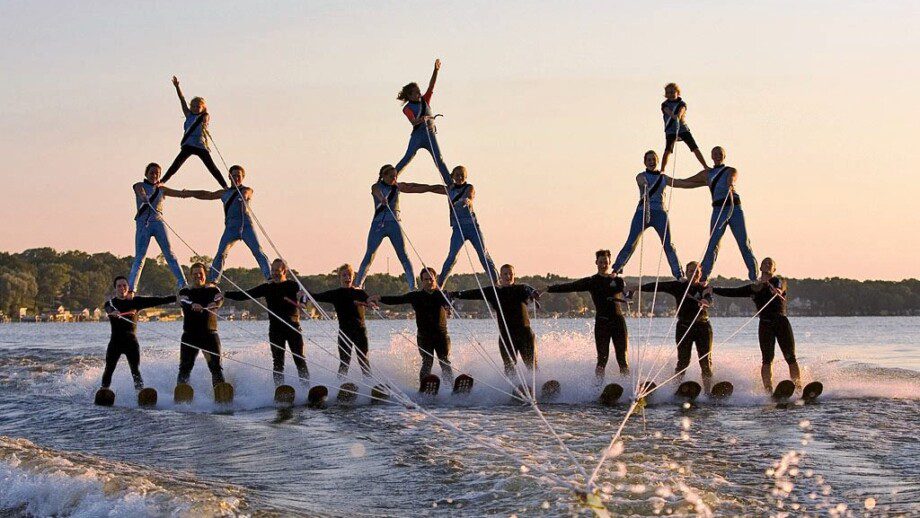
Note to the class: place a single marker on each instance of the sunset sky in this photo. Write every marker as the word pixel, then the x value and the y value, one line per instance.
pixel 549 105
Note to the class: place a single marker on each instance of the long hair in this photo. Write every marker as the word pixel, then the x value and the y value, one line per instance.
pixel 406 90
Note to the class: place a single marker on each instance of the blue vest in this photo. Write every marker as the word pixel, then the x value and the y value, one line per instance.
pixel 193 131
pixel 234 208
pixel 457 195
pixel 155 195
pixel 673 125
pixel 419 109
pixel 718 180
pixel 655 186
pixel 391 193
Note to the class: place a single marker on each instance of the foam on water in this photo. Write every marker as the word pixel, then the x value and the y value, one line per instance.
pixel 669 461
pixel 42 482
pixel 562 356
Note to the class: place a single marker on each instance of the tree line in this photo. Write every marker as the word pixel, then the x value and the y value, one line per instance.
pixel 43 279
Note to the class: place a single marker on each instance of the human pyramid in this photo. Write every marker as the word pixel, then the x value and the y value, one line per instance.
pixel 285 298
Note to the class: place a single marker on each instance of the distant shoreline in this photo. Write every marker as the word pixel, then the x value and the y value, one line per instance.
pixel 44 284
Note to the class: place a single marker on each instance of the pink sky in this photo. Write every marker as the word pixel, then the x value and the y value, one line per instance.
pixel 550 107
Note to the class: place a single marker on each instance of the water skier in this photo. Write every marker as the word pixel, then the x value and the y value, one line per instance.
pixel 769 295
pixel 607 292
pixel 674 111
pixel 238 225
pixel 418 110
pixel 652 212
pixel 350 303
pixel 385 222
pixel 464 225
pixel 284 299
pixel 122 310
pixel 149 195
pixel 726 211
pixel 693 327
pixel 431 310
pixel 200 303
pixel 195 137
pixel 515 335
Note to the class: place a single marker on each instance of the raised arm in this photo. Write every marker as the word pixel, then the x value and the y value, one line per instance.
pixel 434 79
pixel 414 188
pixel 185 109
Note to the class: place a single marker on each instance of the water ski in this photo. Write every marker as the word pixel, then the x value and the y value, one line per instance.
pixel 783 390
pixel 348 393
pixel 316 398
pixel 147 397
pixel 812 391
pixel 722 390
pixel 430 385
pixel 284 395
pixel 184 393
pixel 379 394
pixel 611 394
pixel 104 397
pixel 550 390
pixel 463 384
pixel 223 393
pixel 689 390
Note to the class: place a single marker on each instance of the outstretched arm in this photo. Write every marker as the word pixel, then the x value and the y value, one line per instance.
pixel 697 180
pixel 392 300
pixel 198 195
pixel 741 291
pixel 680 184
pixel 414 188
pixel 569 287
pixel 185 110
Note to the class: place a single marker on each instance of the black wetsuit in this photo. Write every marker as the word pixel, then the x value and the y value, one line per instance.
pixel 199 329
pixel 693 327
pixel 349 308
pixel 431 319
pixel 774 325
pixel 517 338
pixel 124 335
pixel 609 324
pixel 281 300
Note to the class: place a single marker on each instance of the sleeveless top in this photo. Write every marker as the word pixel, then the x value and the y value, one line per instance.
pixel 457 194
pixel 234 206
pixel 419 109
pixel 155 195
pixel 193 131
pixel 655 185
pixel 391 193
pixel 718 180
pixel 673 125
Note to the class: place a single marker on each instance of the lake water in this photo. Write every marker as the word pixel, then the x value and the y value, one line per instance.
pixel 853 452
